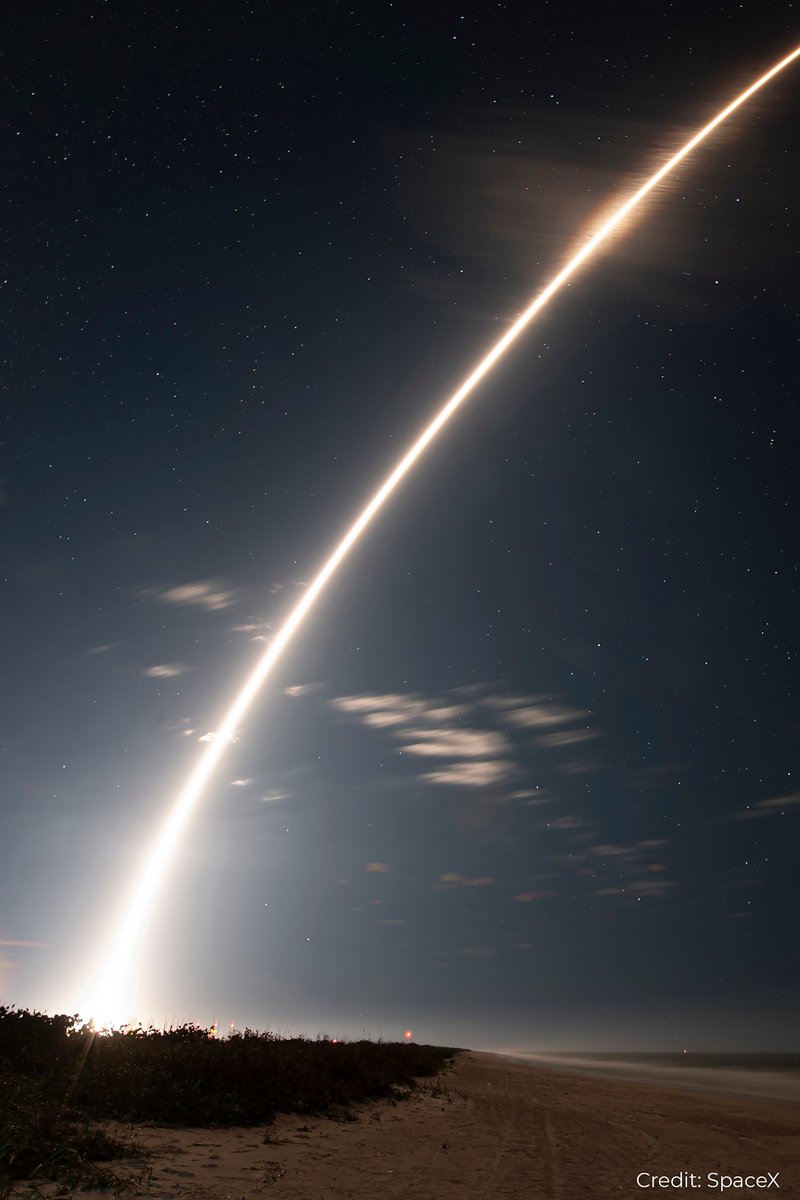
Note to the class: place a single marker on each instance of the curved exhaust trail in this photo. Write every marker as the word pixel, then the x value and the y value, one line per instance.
pixel 107 1000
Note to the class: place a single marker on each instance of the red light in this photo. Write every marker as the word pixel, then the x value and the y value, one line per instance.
pixel 408 1035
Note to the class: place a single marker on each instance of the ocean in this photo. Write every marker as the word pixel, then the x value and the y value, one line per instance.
pixel 770 1076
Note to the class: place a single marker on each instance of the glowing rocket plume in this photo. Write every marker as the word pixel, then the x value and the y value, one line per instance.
pixel 110 995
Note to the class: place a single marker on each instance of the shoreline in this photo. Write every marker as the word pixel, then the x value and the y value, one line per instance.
pixel 780 1086
pixel 486 1128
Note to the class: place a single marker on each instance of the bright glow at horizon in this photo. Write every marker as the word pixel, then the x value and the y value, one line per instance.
pixel 110 998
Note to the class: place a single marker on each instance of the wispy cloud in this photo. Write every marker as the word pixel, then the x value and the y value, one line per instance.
pixel 377 868
pixel 532 797
pixel 544 716
pixel 626 864
pixel 241 783
pixel 210 594
pixel 462 729
pixel 505 700
pixel 166 670
pixel 448 712
pixel 182 725
pixel 650 887
pixel 474 774
pixel 575 767
pixel 776 805
pixel 296 690
pixel 382 710
pixel 566 737
pixel 102 649
pixel 259 631
pixel 565 823
pixel 453 880
pixel 274 796
pixel 431 728
pixel 481 735
pixel 21 942
pixel 457 743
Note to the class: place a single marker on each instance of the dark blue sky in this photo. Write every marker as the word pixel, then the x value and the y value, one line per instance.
pixel 528 777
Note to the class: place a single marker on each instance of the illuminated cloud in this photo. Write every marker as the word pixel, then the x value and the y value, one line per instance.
pixel 258 630
pixel 19 942
pixel 453 880
pixel 457 743
pixel 391 709
pixel 480 754
pixel 102 649
pixel 241 782
pixel 530 897
pixel 302 689
pixel 211 736
pixel 474 774
pixel 274 796
pixel 180 724
pixel 448 712
pixel 508 700
pixel 377 868
pixel 210 594
pixel 166 670
pixel 385 720
pixel 543 716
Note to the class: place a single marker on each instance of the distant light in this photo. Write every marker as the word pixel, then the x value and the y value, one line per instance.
pixel 408 1034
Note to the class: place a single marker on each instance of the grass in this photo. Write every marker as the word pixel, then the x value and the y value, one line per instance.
pixel 59 1080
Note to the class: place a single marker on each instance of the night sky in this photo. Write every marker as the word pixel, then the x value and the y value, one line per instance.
pixel 528 778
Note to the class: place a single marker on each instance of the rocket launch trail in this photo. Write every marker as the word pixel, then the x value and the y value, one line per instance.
pixel 108 999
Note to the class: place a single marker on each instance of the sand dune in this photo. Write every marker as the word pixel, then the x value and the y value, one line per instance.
pixel 500 1131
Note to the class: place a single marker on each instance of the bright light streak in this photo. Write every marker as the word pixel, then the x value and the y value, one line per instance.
pixel 110 997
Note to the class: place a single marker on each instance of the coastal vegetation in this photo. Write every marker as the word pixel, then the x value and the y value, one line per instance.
pixel 61 1083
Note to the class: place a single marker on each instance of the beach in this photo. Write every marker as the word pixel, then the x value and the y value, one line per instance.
pixel 486 1127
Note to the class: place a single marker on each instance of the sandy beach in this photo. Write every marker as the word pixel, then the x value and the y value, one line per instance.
pixel 487 1127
